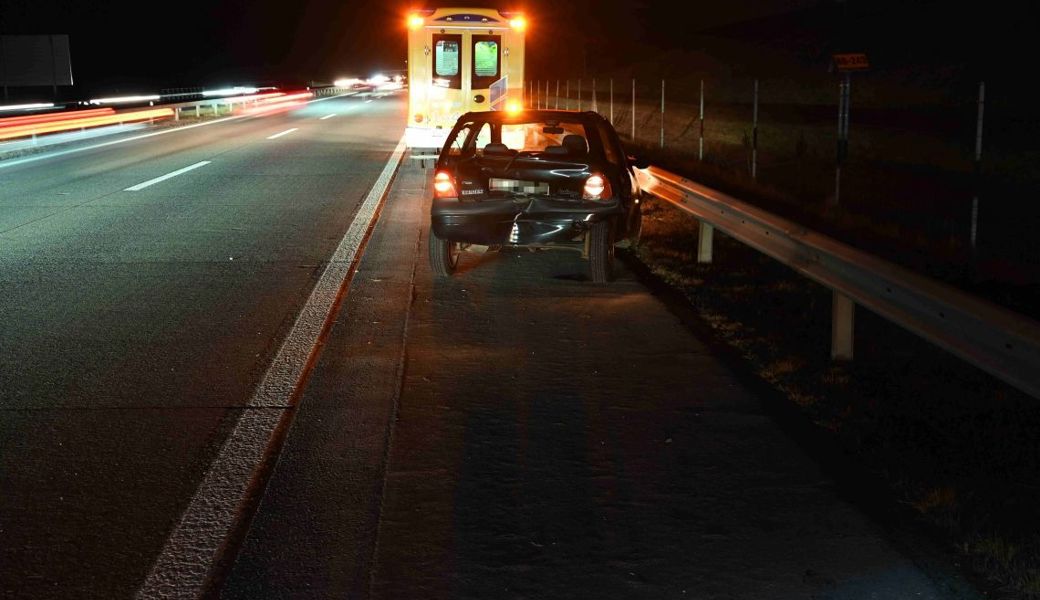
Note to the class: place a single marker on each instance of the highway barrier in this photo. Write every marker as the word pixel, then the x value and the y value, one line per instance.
pixel 25 127
pixel 999 341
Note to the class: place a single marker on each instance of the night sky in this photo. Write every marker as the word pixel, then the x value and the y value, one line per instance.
pixel 132 45
pixel 129 46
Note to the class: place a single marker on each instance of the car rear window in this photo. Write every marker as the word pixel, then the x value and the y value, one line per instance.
pixel 533 137
pixel 568 140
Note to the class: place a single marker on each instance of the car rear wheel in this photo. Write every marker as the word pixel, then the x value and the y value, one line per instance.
pixel 444 256
pixel 601 252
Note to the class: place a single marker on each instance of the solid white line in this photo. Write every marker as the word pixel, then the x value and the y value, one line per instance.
pixel 327 117
pixel 13 163
pixel 192 547
pixel 145 184
pixel 278 135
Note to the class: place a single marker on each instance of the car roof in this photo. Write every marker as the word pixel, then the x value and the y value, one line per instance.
pixel 528 116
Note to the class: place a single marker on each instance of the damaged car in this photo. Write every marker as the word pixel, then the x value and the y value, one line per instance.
pixel 534 179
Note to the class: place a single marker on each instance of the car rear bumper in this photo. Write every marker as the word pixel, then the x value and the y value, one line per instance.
pixel 537 221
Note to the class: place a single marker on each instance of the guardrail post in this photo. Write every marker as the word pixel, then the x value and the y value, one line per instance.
pixel 662 113
pixel 704 242
pixel 197 115
pixel 843 321
pixel 176 113
pixel 579 95
pixel 611 100
pixel 557 94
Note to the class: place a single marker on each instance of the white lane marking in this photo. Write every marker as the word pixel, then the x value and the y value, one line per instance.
pixel 145 184
pixel 327 117
pixel 367 101
pixel 286 132
pixel 192 547
pixel 13 163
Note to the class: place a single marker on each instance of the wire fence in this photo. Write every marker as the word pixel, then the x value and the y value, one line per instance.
pixel 951 165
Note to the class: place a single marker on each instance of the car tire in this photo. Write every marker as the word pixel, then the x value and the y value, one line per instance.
pixel 444 256
pixel 601 252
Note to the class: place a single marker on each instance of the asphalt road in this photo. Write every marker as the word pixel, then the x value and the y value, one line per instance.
pixel 517 432
pixel 135 325
pixel 514 432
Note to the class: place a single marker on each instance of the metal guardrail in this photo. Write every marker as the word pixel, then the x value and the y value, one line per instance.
pixel 226 104
pixel 999 341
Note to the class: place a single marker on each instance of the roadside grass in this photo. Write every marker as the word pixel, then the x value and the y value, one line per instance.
pixel 955 446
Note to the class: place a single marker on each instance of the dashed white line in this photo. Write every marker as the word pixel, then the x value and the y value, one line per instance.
pixel 145 184
pixel 280 134
pixel 327 117
pixel 181 569
pixel 367 101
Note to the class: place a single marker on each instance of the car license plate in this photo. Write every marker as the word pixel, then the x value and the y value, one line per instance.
pixel 517 186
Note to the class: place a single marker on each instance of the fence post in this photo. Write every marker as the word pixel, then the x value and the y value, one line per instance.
pixel 579 95
pixel 611 100
pixel 595 104
pixel 197 115
pixel 557 94
pixel 700 139
pixel 843 322
pixel 633 110
pixel 704 242
pixel 663 113
pixel 978 168
pixel 754 134
pixel 176 113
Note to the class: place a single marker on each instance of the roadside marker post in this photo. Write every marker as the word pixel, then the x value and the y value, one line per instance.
pixel 754 134
pixel 633 110
pixel 663 113
pixel 845 64
pixel 700 139
pixel 977 169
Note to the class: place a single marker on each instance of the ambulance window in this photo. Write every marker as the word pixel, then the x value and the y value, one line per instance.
pixel 486 59
pixel 447 58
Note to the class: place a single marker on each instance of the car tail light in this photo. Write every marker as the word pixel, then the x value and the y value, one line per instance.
pixel 444 185
pixel 596 187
